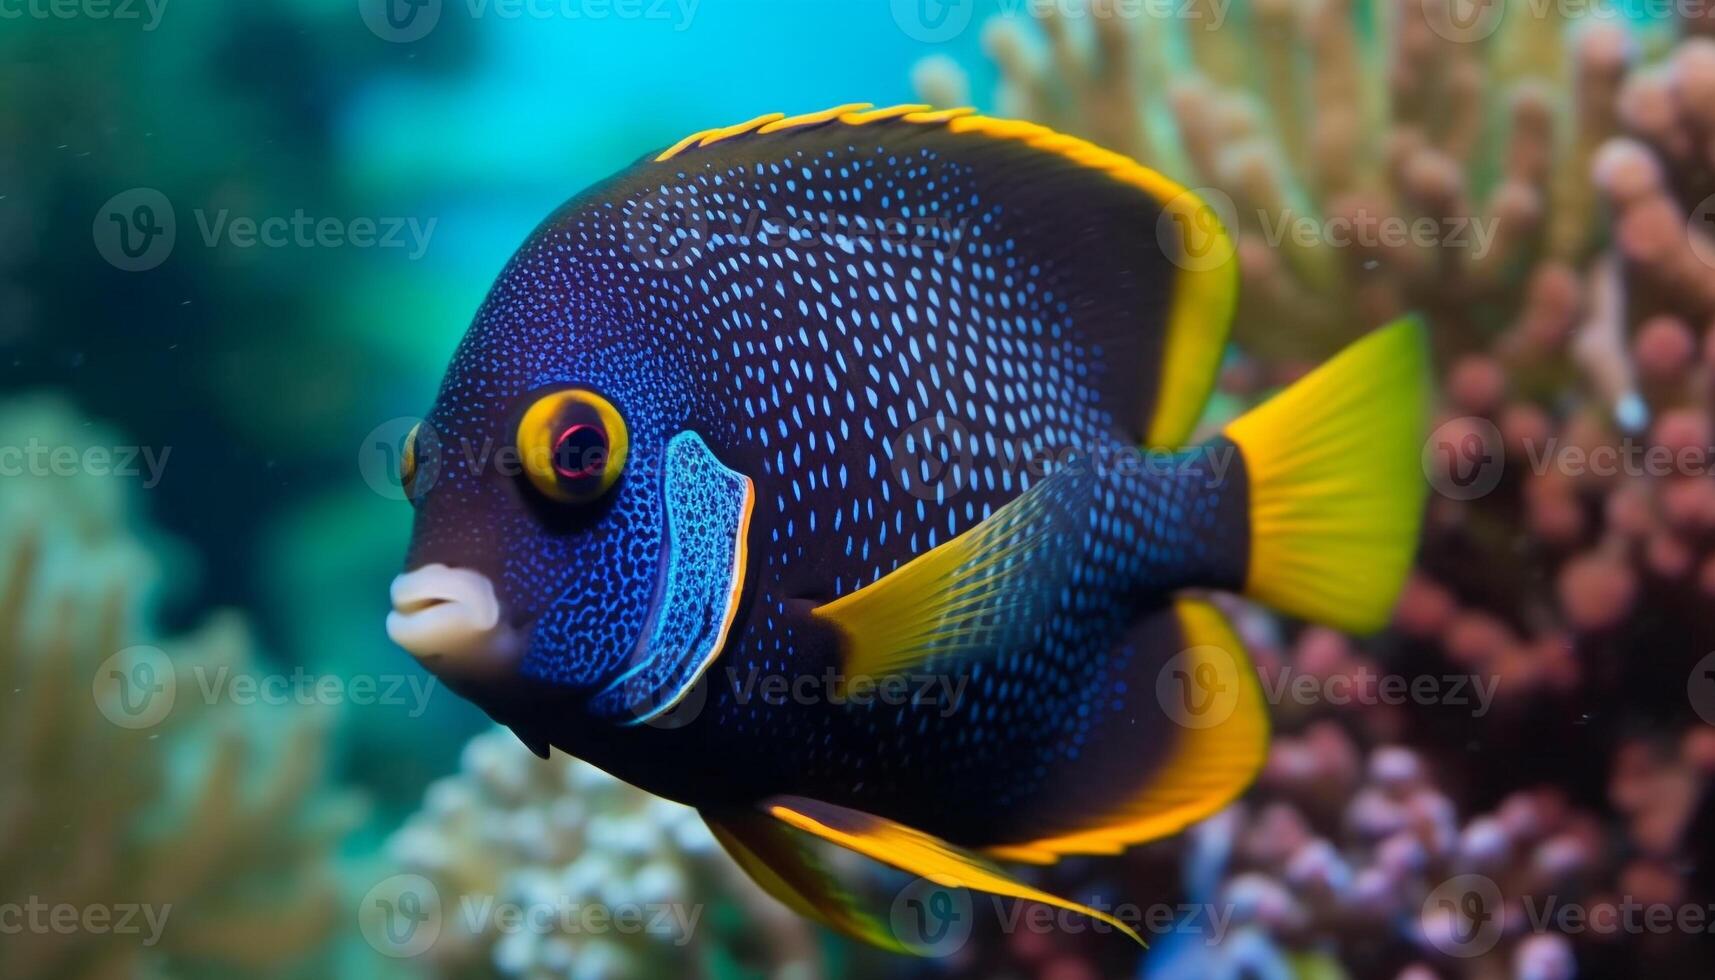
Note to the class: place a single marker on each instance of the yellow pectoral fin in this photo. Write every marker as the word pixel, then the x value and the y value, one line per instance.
pixel 920 854
pixel 976 595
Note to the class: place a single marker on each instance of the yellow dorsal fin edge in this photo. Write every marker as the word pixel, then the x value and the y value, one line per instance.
pixel 1205 292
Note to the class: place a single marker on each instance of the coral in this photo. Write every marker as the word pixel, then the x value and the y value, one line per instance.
pixel 556 838
pixel 1568 555
pixel 1368 158
pixel 1387 866
pixel 168 835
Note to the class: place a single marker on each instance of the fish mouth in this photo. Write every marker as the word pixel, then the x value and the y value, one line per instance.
pixel 449 618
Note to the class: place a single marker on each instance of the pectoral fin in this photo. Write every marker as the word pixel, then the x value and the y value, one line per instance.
pixel 984 592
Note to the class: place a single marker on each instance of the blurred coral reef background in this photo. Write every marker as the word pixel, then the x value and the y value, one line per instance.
pixel 1574 144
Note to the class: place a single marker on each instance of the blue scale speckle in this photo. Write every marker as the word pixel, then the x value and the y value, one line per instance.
pixel 868 324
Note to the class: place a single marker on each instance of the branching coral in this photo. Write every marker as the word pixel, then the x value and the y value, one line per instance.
pixel 1569 553
pixel 191 839
pixel 554 840
pixel 1370 158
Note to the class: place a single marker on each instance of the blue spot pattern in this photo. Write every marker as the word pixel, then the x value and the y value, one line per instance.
pixel 705 513
pixel 885 391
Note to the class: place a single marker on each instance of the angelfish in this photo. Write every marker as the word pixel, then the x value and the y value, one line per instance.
pixel 846 398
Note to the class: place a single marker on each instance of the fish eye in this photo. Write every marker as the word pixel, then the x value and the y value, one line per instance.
pixel 572 445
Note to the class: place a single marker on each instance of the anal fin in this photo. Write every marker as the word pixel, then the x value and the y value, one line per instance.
pixel 1198 675
pixel 776 847
pixel 784 865
pixel 918 853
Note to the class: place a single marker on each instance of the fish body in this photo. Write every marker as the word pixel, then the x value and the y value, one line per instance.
pixel 828 513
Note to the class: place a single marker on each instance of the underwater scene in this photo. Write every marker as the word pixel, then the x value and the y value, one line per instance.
pixel 832 489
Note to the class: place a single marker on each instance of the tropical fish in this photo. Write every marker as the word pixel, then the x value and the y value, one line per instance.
pixel 799 412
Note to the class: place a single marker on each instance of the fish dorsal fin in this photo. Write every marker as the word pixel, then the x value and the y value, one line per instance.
pixel 917 853
pixel 985 592
pixel 1170 248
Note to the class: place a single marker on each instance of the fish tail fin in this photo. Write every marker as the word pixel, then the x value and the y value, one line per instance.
pixel 1335 482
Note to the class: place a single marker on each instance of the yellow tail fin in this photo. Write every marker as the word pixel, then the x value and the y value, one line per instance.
pixel 1336 482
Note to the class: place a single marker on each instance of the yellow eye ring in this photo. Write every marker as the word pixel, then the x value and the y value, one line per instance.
pixel 572 445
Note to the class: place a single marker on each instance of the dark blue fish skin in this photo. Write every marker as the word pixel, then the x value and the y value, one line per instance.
pixel 759 293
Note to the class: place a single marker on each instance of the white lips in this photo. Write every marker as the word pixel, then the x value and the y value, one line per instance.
pixel 450 616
